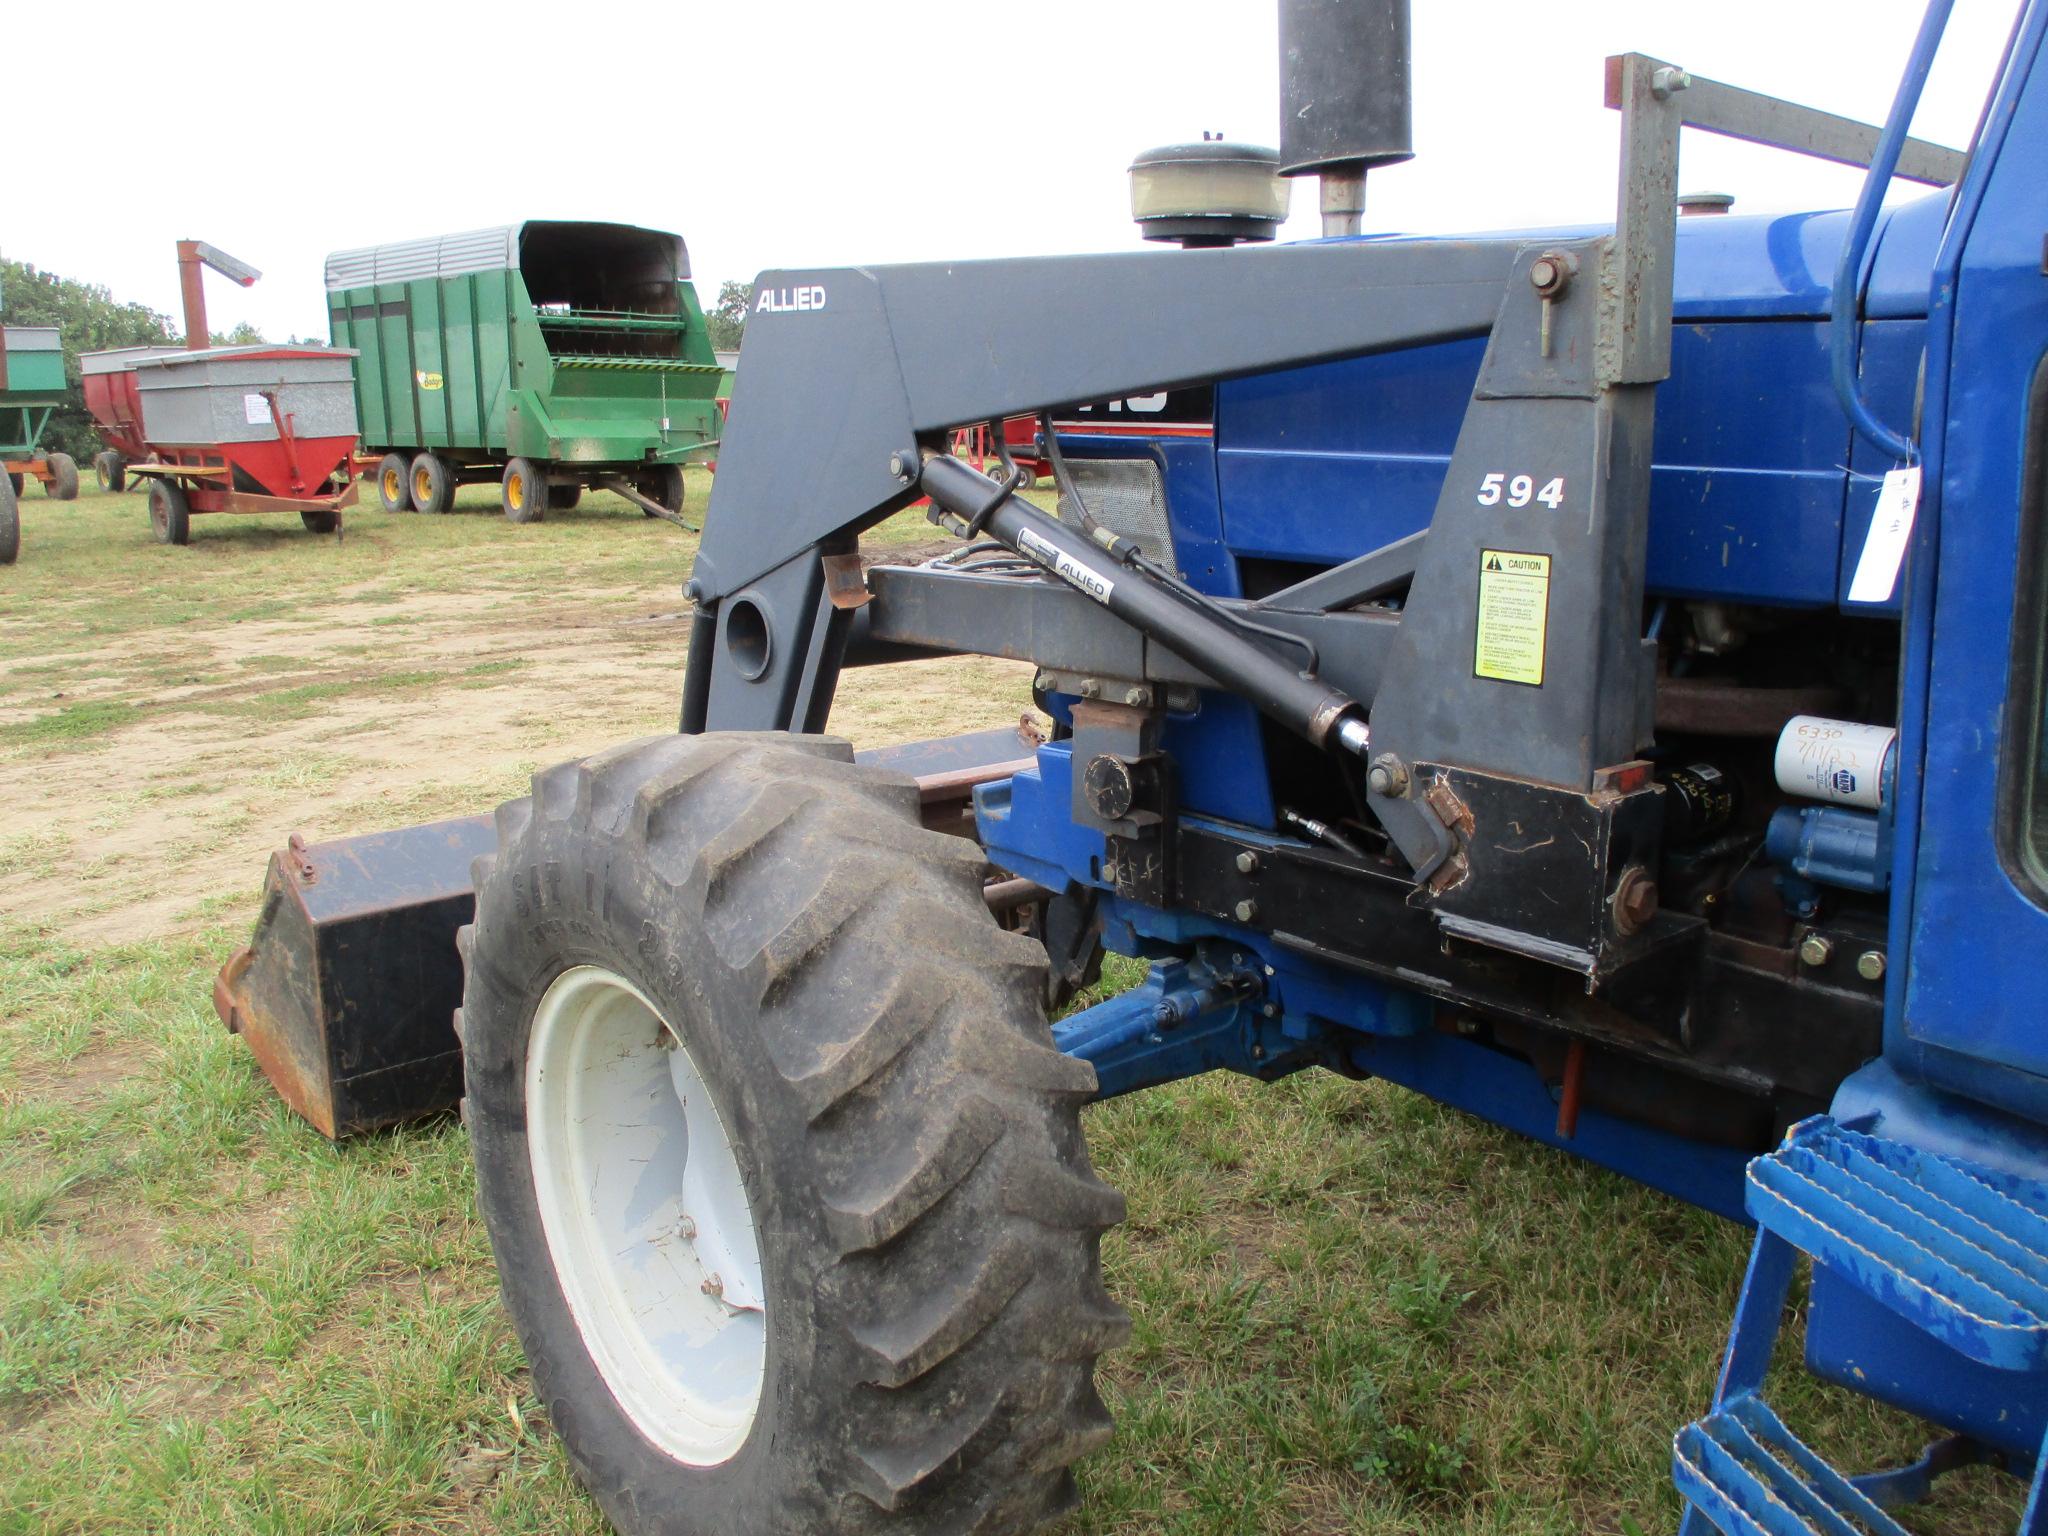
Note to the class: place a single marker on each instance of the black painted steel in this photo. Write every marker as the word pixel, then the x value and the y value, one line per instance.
pixel 1344 84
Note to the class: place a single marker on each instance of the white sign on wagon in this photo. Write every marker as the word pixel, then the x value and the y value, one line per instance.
pixel 257 409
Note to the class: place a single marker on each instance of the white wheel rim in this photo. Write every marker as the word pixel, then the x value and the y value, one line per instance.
pixel 646 1219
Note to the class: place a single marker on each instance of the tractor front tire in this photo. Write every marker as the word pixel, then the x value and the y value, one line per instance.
pixel 111 470
pixel 321 522
pixel 784 1175
pixel 433 484
pixel 63 482
pixel 170 515
pixel 10 525
pixel 524 491
pixel 564 498
pixel 394 483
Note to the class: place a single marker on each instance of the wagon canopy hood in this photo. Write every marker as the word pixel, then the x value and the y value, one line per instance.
pixel 544 251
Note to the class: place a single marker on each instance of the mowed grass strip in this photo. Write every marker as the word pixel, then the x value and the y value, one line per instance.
pixel 72 723
pixel 1354 1311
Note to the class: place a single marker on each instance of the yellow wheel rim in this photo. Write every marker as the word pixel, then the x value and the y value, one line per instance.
pixel 515 492
pixel 391 485
pixel 422 485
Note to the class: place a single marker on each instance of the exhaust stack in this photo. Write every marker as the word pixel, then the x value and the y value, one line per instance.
pixel 1344 98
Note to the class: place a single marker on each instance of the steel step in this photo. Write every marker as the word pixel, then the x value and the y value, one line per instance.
pixel 1752 1476
pixel 1957 1249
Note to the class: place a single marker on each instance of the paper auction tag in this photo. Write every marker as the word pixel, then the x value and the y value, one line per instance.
pixel 1891 525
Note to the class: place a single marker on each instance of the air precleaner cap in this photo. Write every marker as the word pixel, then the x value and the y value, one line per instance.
pixel 1208 194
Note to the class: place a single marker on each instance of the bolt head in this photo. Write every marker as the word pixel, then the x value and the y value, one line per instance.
pixel 1668 79
pixel 1543 272
pixel 1379 781
pixel 1816 949
pixel 1246 910
pixel 1090 689
pixel 687 1227
pixel 1136 696
pixel 899 465
pixel 1870 965
pixel 712 1286
pixel 1247 863
pixel 1043 682
pixel 1635 903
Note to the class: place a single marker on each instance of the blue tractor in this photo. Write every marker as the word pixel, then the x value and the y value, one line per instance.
pixel 1592 677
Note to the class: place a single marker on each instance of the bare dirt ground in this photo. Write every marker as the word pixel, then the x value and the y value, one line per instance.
pixel 212 741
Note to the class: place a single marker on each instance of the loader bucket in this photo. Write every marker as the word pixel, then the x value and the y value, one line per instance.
pixel 348 988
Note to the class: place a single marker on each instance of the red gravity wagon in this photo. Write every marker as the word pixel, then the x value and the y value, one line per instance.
pixel 230 429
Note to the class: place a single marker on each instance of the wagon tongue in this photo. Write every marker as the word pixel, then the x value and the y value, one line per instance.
pixel 348 987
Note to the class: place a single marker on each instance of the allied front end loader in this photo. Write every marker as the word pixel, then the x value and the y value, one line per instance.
pixel 1593 678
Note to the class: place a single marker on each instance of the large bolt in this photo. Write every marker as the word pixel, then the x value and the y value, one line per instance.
pixel 1668 79
pixel 1387 776
pixel 1816 949
pixel 1550 274
pixel 1247 863
pixel 1246 910
pixel 1090 689
pixel 902 465
pixel 712 1286
pixel 1870 965
pixel 1137 696
pixel 1635 900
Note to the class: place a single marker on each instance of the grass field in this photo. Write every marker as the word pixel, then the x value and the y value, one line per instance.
pixel 1355 1312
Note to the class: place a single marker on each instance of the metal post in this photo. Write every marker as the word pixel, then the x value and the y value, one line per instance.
pixel 192 282
pixel 1344 199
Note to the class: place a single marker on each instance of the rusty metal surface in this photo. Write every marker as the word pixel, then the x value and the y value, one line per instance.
pixel 271 1002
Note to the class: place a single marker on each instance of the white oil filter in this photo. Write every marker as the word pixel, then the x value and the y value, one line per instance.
pixel 1839 761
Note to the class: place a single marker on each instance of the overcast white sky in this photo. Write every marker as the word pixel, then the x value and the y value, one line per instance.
pixel 808 133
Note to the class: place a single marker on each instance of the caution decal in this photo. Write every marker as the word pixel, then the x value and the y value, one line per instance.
pixel 1514 610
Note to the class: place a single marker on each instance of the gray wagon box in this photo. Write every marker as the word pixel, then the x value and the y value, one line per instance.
pixel 222 395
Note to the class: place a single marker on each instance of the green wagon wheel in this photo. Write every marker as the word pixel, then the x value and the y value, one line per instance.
pixel 664 484
pixel 394 493
pixel 433 484
pixel 525 492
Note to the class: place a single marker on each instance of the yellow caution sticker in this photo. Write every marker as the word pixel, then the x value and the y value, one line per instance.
pixel 1514 610
pixel 428 380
